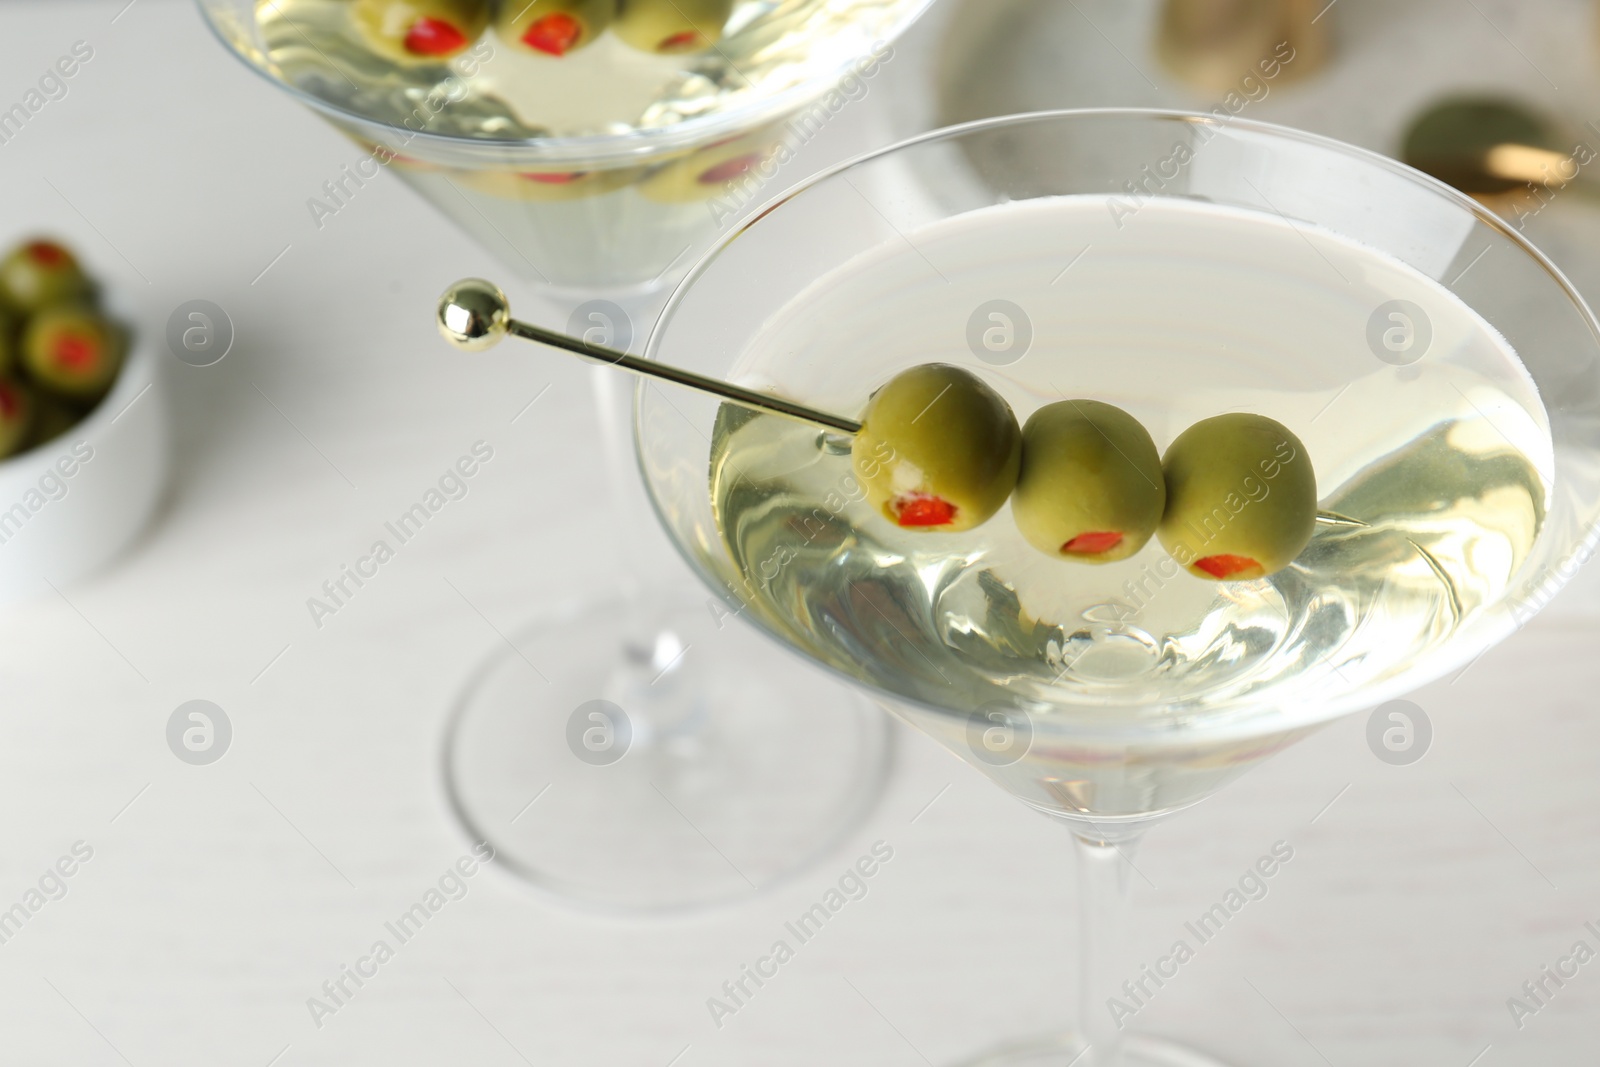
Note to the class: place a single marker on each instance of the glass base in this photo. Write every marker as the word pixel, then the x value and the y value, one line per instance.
pixel 672 765
pixel 1067 1050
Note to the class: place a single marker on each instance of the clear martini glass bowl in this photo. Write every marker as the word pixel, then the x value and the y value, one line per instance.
pixel 633 751
pixel 592 173
pixel 1442 374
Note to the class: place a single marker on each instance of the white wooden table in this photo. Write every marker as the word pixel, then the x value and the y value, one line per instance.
pixel 219 899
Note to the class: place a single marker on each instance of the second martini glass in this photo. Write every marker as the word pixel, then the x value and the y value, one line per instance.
pixel 636 751
pixel 1443 376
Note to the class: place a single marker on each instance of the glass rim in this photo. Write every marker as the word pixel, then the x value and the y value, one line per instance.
pixel 604 147
pixel 1237 724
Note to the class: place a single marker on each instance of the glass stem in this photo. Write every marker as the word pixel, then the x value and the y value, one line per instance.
pixel 648 642
pixel 620 326
pixel 1104 901
pixel 612 392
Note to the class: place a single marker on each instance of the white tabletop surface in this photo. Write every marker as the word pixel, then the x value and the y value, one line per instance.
pixel 219 898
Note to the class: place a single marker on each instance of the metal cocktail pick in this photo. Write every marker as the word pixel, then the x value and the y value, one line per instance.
pixel 474 315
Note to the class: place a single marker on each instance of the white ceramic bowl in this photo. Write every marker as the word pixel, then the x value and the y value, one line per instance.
pixel 67 507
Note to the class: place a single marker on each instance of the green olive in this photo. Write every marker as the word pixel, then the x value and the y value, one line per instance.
pixel 672 26
pixel 41 272
pixel 711 171
pixel 1241 497
pixel 553 27
pixel 1091 487
pixel 420 31
pixel 72 352
pixel 938 449
pixel 16 416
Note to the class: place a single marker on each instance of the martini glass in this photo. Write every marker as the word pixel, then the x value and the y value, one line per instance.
pixel 1444 377
pixel 633 751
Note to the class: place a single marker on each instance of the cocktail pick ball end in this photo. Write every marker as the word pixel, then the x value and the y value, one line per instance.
pixel 474 314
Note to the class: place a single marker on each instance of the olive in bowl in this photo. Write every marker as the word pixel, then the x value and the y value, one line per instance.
pixel 72 352
pixel 40 272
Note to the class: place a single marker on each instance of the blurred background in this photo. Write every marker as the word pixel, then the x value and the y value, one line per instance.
pixel 219 899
